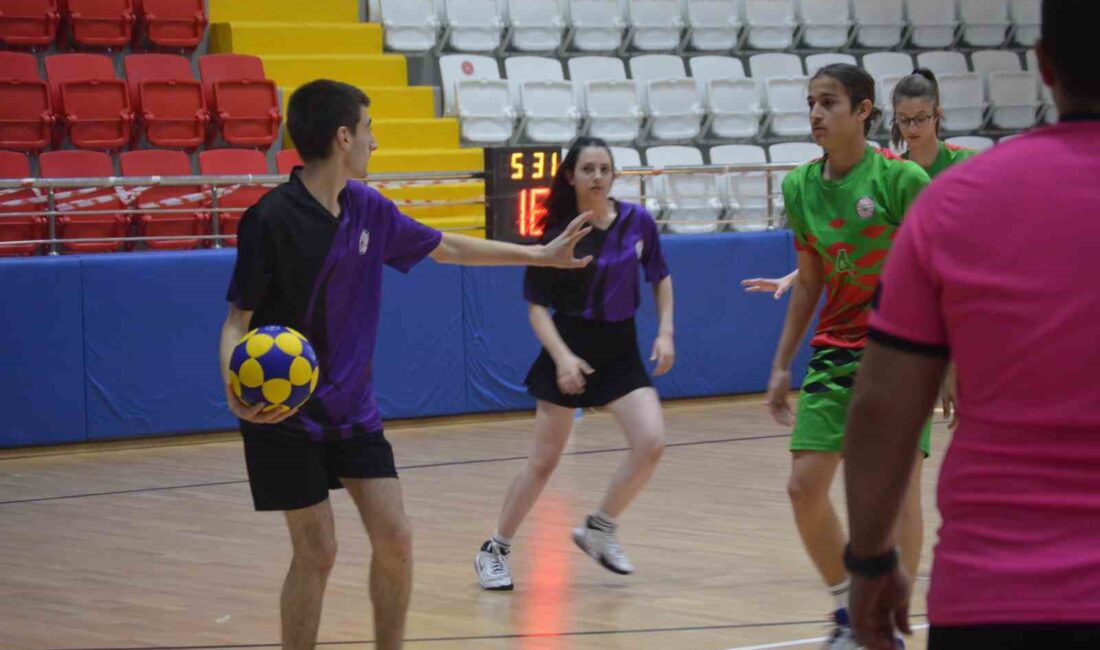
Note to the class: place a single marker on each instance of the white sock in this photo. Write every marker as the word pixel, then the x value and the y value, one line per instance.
pixel 839 592
pixel 504 542
pixel 602 521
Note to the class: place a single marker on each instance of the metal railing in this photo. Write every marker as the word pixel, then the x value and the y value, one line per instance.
pixel 62 197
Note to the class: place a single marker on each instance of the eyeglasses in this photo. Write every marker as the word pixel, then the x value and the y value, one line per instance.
pixel 920 121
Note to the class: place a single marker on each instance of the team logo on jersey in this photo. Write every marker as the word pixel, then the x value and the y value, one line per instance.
pixel 844 262
pixel 638 248
pixel 865 208
pixel 364 241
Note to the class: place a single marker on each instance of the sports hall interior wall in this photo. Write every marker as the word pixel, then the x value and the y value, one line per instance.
pixel 125 345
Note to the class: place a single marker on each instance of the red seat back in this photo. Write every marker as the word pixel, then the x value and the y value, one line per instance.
pixel 241 100
pixel 93 104
pixel 102 23
pixel 87 212
pixel 227 67
pixel 286 160
pixel 75 67
pixel 169 101
pixel 28 23
pixel 248 112
pixel 157 199
pixel 26 116
pixel 18 66
pixel 234 162
pixel 143 67
pixel 22 227
pixel 173 23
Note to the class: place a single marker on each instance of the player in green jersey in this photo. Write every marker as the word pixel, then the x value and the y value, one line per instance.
pixel 843 210
pixel 918 123
pixel 916 131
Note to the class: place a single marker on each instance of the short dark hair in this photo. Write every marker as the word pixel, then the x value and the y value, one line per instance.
pixel 858 83
pixel 1069 43
pixel 316 112
pixel 921 84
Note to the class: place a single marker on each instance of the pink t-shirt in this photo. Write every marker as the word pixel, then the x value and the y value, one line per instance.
pixel 998 261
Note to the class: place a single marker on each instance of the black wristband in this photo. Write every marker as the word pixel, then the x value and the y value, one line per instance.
pixel 870 567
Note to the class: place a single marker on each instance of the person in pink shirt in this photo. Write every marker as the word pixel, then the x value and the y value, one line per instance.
pixel 975 278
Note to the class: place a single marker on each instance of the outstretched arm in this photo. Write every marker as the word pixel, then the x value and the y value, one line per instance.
pixel 470 251
pixel 775 286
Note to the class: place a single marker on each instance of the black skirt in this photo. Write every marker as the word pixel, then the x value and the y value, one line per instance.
pixel 611 348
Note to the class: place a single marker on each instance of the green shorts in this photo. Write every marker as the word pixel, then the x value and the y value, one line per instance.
pixel 823 403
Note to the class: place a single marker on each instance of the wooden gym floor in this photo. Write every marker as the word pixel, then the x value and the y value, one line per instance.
pixel 149 546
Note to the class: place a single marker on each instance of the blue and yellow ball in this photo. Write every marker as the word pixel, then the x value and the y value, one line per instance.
pixel 275 366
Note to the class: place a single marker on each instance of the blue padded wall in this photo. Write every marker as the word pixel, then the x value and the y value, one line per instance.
pixel 500 345
pixel 151 323
pixel 42 348
pixel 123 345
pixel 419 357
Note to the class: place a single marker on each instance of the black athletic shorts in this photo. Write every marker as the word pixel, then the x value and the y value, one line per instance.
pixel 288 471
pixel 611 348
pixel 1015 637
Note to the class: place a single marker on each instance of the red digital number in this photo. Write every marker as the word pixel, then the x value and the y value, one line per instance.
pixel 532 209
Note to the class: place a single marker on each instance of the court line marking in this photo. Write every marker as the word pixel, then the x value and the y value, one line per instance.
pixel 498 637
pixel 798 642
pixel 450 463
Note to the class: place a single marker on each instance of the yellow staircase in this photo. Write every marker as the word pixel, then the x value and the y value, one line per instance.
pixel 301 41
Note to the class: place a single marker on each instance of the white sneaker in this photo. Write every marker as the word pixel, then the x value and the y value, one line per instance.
pixel 492 568
pixel 841 637
pixel 604 548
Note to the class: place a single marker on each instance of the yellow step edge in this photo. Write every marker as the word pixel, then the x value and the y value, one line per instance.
pixel 282 10
pixel 457 191
pixel 459 199
pixel 293 38
pixel 434 133
pixel 472 225
pixel 355 69
pixel 422 212
pixel 427 160
pixel 412 102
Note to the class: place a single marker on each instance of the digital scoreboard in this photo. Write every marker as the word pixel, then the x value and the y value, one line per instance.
pixel 517 184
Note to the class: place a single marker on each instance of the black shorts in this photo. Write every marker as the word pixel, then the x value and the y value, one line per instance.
pixel 1015 637
pixel 611 348
pixel 288 471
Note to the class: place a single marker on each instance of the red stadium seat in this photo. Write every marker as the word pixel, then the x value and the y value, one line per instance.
pixel 24 227
pixel 234 162
pixel 174 24
pixel 167 100
pixel 28 23
pixel 101 23
pixel 105 224
pixel 153 162
pixel 94 105
pixel 286 160
pixel 245 104
pixel 26 120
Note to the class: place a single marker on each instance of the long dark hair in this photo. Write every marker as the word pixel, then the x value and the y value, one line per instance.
pixel 561 205
pixel 859 84
pixel 921 84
